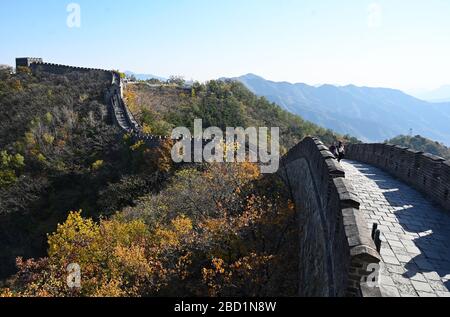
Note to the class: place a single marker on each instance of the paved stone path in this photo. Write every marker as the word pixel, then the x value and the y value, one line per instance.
pixel 415 233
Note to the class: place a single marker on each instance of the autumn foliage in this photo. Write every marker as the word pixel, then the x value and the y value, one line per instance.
pixel 237 240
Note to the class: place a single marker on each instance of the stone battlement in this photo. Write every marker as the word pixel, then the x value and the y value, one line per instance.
pixel 427 173
pixel 37 64
pixel 336 246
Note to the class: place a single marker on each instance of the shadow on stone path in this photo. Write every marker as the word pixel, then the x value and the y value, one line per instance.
pixel 415 233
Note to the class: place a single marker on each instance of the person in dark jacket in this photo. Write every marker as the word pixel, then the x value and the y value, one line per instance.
pixel 340 151
pixel 333 150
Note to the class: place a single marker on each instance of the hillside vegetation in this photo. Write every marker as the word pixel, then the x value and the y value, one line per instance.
pixel 137 224
pixel 218 103
pixel 58 153
pixel 420 143
pixel 75 190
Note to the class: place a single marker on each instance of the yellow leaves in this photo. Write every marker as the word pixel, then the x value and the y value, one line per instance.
pixel 137 146
pixel 41 158
pixel 97 165
pixel 146 129
pixel 129 95
pixel 167 237
pixel 186 173
pixel 248 170
pixel 75 241
pixel 48 138
pixel 30 139
pixel 9 165
pixel 172 236
pixel 126 137
pixel 228 148
pixel 133 261
pixel 131 100
pixel 48 118
pixel 116 232
pixel 6 293
pixel 83 97
pixel 182 225
pixel 116 259
pixel 7 160
pixel 110 288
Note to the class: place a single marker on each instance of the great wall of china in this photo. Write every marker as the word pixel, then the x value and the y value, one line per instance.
pixel 357 223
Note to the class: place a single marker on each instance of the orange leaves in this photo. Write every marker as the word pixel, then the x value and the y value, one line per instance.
pixel 220 229
pixel 247 273
pixel 182 225
pixel 5 293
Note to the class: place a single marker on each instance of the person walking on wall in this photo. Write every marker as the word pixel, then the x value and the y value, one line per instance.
pixel 333 149
pixel 340 151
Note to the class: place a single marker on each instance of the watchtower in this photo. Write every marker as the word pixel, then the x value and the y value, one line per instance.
pixel 27 61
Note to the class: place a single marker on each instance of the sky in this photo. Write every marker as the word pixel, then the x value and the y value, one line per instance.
pixel 403 44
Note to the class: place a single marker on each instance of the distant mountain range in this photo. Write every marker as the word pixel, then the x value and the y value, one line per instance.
pixel 144 76
pixel 371 114
pixel 441 94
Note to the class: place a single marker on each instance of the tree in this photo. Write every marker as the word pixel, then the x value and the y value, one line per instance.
pixel 5 72
pixel 10 166
pixel 176 80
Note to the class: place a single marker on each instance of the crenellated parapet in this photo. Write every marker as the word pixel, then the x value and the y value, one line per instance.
pixel 336 247
pixel 37 65
pixel 427 173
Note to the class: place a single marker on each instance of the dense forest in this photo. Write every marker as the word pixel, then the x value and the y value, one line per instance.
pixel 420 143
pixel 73 189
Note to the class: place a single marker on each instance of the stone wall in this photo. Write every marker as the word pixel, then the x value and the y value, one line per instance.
pixel 335 245
pixel 113 96
pixel 123 117
pixel 27 61
pixel 62 69
pixel 427 173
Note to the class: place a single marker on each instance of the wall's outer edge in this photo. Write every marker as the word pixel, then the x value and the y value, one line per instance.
pixel 340 202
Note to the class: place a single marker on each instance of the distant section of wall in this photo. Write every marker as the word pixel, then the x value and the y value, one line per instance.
pixel 124 118
pixel 336 247
pixel 63 69
pixel 27 61
pixel 427 173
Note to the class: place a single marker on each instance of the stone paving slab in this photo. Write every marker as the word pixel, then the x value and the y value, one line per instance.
pixel 415 233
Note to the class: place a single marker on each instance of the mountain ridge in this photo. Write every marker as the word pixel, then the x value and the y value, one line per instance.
pixel 371 114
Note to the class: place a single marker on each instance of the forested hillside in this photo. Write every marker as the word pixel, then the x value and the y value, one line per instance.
pixel 58 153
pixel 218 103
pixel 420 143
pixel 137 224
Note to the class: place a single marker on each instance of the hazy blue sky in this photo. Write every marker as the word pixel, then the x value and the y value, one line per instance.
pixel 395 43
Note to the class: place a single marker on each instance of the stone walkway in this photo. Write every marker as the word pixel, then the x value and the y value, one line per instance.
pixel 415 233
